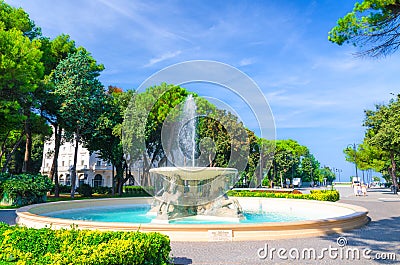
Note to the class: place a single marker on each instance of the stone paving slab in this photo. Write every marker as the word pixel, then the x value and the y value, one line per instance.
pixel 8 216
pixel 381 236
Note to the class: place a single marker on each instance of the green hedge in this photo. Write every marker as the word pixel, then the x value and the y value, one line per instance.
pixel 102 190
pixel 137 190
pixel 325 195
pixel 24 189
pixel 21 245
pixel 85 190
pixel 320 195
pixel 62 189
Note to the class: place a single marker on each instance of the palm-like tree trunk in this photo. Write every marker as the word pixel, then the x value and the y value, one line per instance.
pixel 54 166
pixel 73 169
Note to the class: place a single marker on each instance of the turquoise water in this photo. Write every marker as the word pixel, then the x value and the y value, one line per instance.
pixel 137 213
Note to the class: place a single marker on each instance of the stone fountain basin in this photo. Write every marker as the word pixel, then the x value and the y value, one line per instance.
pixel 193 173
pixel 333 217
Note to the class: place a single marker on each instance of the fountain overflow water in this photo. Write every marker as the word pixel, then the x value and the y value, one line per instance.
pixel 187 137
pixel 188 189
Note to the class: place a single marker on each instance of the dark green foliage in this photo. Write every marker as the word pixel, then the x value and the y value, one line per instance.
pixel 319 195
pixel 24 189
pixel 47 246
pixel 382 137
pixel 101 190
pixel 85 190
pixel 17 18
pixel 81 95
pixel 63 189
pixel 137 191
pixel 372 25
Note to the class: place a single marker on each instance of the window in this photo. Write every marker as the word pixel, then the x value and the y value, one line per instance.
pixel 97 181
pixel 63 163
pixel 82 162
pixel 81 179
pixel 61 179
pixel 47 164
pixel 98 163
pixel 68 181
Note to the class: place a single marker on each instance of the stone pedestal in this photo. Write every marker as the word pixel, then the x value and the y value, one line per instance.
pixel 187 192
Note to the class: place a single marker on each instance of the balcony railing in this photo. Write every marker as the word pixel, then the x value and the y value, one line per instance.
pixel 102 167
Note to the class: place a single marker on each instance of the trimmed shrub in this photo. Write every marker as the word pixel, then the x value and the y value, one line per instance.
pixel 24 189
pixel 320 195
pixel 101 190
pixel 62 189
pixel 136 190
pixel 325 195
pixel 273 191
pixel 21 245
pixel 85 190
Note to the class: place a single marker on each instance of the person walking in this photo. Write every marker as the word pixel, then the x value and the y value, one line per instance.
pixel 364 189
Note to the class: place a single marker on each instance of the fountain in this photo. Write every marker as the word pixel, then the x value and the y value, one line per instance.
pixel 187 191
pixel 190 188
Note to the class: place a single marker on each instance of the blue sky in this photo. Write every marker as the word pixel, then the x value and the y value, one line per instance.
pixel 317 90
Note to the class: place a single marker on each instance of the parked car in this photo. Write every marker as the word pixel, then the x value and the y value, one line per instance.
pixel 297 182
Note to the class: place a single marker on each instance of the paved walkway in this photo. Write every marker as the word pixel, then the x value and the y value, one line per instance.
pixel 381 236
pixel 7 216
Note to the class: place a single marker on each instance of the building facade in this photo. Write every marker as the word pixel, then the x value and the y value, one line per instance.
pixel 91 169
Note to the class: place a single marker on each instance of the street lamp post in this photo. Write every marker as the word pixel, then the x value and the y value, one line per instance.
pixel 312 180
pixel 354 146
pixel 338 170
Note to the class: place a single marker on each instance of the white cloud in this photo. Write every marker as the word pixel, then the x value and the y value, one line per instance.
pixel 137 12
pixel 340 64
pixel 246 61
pixel 163 57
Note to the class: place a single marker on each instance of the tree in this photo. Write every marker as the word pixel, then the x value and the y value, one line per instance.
pixel 143 122
pixel 17 18
pixel 225 142
pixel 372 25
pixel 326 173
pixel 367 157
pixel 229 136
pixel 20 72
pixel 105 139
pixel 383 133
pixel 221 139
pixel 48 102
pixel 82 97
pixel 287 157
pixel 39 134
pixel 309 168
pixel 376 179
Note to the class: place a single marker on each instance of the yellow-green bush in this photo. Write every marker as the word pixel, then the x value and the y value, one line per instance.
pixel 325 195
pixel 137 190
pixel 320 195
pixel 21 245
